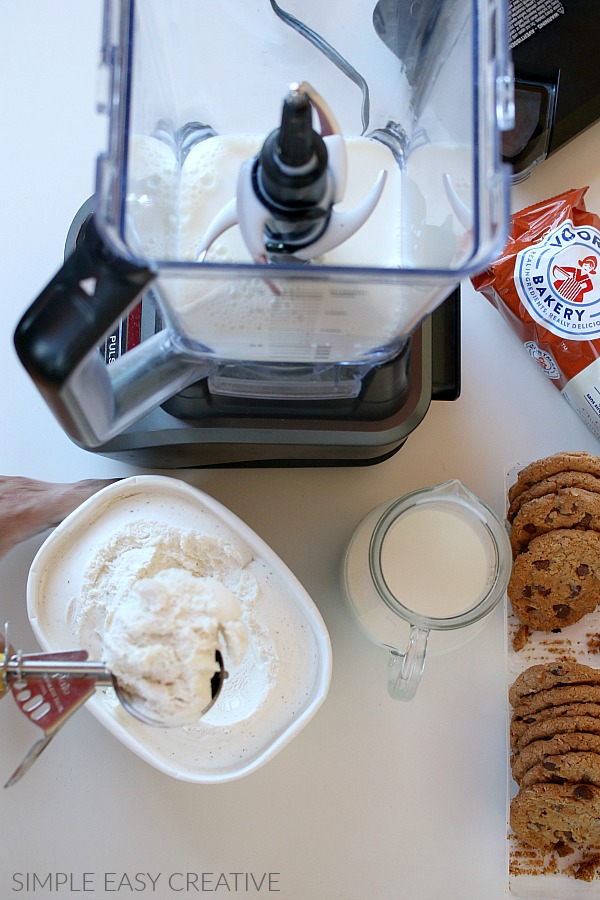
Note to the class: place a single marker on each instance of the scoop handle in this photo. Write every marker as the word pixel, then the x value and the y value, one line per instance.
pixel 45 665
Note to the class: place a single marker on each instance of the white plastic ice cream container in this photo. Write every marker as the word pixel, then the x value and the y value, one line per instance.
pixel 266 700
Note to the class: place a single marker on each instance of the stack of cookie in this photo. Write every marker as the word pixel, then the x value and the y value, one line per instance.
pixel 555 755
pixel 554 511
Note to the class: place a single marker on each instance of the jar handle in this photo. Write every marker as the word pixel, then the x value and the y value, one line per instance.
pixel 405 669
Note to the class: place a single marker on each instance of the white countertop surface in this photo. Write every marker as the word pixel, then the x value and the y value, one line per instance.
pixel 374 799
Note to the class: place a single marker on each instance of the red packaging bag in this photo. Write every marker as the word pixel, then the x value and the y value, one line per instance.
pixel 546 284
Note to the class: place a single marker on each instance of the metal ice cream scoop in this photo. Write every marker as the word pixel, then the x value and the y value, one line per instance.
pixel 50 687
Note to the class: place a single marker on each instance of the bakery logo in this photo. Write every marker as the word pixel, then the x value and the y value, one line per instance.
pixel 573 282
pixel 558 281
pixel 544 360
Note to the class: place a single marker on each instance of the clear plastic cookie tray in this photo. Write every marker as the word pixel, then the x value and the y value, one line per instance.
pixel 533 874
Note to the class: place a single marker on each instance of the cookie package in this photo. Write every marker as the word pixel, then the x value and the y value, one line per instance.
pixel 546 285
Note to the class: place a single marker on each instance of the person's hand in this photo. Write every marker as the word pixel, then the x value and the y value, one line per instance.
pixel 28 507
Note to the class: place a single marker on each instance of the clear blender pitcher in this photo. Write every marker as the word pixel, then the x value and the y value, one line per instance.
pixel 300 185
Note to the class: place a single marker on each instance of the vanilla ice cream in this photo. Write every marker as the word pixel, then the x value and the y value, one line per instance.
pixel 157 602
pixel 161 642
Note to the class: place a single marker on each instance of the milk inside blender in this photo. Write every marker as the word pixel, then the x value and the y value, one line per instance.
pixel 288 197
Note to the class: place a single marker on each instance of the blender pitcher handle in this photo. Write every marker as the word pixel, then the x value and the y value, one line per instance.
pixel 405 669
pixel 57 340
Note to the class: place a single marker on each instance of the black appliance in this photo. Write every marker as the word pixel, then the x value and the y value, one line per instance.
pixel 554 45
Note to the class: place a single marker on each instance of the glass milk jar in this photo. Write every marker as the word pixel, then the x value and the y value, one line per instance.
pixel 426 568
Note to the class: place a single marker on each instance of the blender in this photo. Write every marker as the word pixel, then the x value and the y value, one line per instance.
pixel 288 198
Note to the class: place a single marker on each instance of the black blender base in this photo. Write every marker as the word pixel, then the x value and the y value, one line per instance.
pixel 430 371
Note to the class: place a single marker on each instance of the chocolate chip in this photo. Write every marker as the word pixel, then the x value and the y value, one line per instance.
pixel 582 570
pixel 543 591
pixel 575 591
pixel 527 591
pixel 530 528
pixel 541 564
pixel 585 521
pixel 583 792
pixel 561 610
pixel 562 849
pixel 550 765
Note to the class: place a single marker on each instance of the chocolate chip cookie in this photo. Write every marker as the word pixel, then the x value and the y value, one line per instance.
pixel 549 728
pixel 544 815
pixel 550 675
pixel 575 767
pixel 552 485
pixel 568 508
pixel 565 461
pixel 521 722
pixel 569 694
pixel 539 751
pixel 556 580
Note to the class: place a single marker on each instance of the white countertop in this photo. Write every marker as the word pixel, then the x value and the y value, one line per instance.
pixel 374 799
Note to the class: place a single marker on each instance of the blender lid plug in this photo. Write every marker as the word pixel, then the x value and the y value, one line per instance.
pixel 286 195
